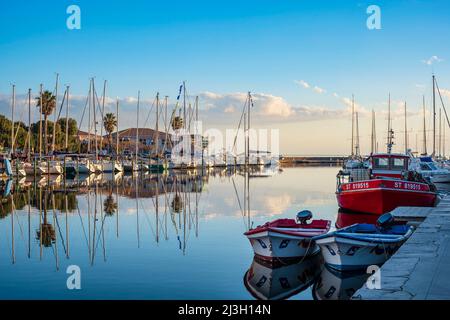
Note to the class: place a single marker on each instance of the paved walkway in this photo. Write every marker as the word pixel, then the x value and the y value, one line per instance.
pixel 421 267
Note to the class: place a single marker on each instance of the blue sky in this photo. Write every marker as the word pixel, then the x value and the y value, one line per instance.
pixel 230 47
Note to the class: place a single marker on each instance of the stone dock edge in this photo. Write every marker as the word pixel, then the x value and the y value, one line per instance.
pixel 420 269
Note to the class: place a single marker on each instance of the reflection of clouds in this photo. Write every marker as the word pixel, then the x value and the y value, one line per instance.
pixel 317 202
pixel 230 201
pixel 210 216
pixel 275 205
pixel 131 211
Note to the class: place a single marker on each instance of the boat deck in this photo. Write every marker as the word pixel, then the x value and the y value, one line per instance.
pixel 419 269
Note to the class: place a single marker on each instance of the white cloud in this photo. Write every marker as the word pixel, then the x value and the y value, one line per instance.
pixel 445 92
pixel 319 90
pixel 230 109
pixel 306 85
pixel 432 60
pixel 303 83
pixel 271 105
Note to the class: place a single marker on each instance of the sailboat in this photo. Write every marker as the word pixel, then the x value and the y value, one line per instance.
pixel 354 161
pixel 157 164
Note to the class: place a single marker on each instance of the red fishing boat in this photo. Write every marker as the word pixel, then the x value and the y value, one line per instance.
pixel 384 186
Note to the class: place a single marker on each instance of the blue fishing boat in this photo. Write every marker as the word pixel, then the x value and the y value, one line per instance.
pixel 361 245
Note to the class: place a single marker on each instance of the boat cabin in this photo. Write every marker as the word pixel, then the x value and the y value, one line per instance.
pixel 389 165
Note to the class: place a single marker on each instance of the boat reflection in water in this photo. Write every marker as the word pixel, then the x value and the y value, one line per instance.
pixel 267 281
pixel 338 285
pixel 347 218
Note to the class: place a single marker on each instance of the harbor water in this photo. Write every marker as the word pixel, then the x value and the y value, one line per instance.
pixel 175 236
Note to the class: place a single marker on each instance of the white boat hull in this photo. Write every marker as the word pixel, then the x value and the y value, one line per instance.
pixel 349 254
pixel 272 245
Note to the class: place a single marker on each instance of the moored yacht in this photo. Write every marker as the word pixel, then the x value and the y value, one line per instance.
pixel 429 169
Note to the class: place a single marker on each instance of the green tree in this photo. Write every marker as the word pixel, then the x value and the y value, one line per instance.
pixel 110 123
pixel 46 107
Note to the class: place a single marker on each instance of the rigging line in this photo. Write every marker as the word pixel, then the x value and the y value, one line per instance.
pixel 62 105
pixel 82 225
pixel 239 201
pixel 100 233
pixel 239 126
pixel 442 102
pixel 18 221
pixel 149 112
pixel 146 216
pixel 84 111
pixel 60 233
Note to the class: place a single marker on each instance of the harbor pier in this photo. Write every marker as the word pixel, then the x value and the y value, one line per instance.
pixel 419 269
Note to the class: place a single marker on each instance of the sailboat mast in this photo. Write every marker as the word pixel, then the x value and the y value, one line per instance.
pixel 353 125
pixel 184 104
pixel 248 126
pixel 137 126
pixel 357 151
pixel 373 135
pixel 443 140
pixel 40 124
pixel 424 128
pixel 54 118
pixel 406 131
pixel 29 125
pixel 103 114
pixel 89 117
pixel 13 105
pixel 166 125
pixel 389 121
pixel 117 127
pixel 434 116
pixel 440 133
pixel 95 120
pixel 157 127
pixel 66 145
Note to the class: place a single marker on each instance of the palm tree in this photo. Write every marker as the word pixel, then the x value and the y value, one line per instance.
pixel 110 123
pixel 46 108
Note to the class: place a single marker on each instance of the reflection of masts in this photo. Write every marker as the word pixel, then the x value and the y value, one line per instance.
pixel 89 222
pixel 118 210
pixel 29 223
pixel 13 252
pixel 66 208
pixel 54 227
pixel 137 211
pixel 157 207
pixel 95 225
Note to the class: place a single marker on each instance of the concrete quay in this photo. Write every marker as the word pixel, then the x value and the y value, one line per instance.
pixel 420 269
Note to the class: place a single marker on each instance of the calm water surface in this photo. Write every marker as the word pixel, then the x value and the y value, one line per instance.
pixel 192 247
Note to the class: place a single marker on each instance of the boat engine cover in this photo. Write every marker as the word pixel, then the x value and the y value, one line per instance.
pixel 303 216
